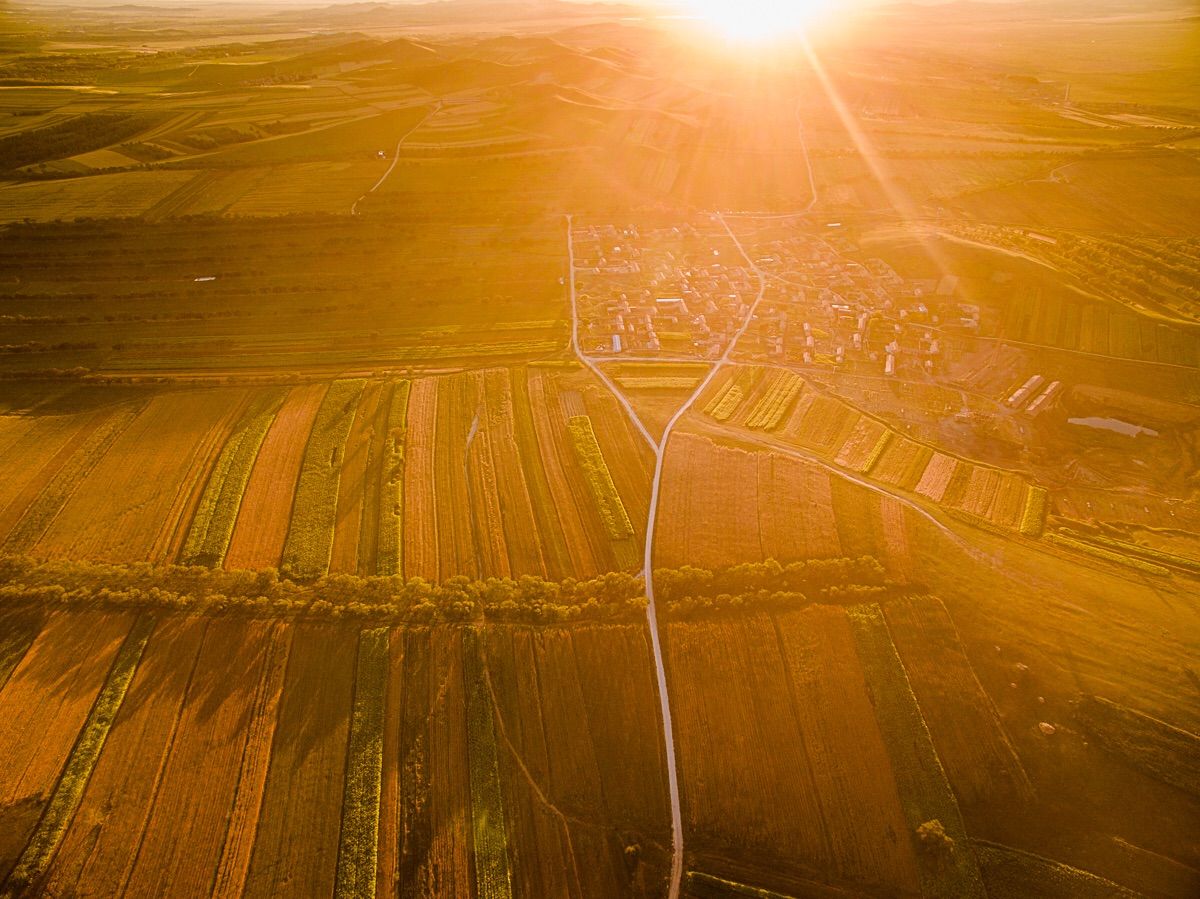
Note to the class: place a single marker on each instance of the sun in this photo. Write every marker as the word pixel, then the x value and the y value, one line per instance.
pixel 759 21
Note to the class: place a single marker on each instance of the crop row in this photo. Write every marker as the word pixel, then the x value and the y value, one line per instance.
pixel 776 402
pixel 608 500
pixel 1147 552
pixel 1033 516
pixel 726 403
pixel 391 504
pixel 212 526
pixel 309 543
pixel 1108 555
pixel 359 841
pixel 489 830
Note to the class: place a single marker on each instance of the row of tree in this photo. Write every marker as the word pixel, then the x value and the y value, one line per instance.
pixel 615 596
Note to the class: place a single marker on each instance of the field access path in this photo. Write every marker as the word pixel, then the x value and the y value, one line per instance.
pixel 433 110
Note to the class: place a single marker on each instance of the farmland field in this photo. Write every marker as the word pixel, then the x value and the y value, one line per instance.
pixel 546 449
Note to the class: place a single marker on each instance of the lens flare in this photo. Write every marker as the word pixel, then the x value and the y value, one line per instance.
pixel 759 21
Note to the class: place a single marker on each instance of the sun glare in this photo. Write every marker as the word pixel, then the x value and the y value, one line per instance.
pixel 759 21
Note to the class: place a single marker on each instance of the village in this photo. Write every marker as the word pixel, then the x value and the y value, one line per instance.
pixel 685 291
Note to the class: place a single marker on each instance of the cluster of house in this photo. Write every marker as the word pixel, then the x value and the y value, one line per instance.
pixel 672 291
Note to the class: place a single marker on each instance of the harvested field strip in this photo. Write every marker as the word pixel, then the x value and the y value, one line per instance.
pixel 902 463
pixel 608 501
pixel 133 500
pixel 42 511
pixel 35 461
pixel 295 850
pixel 729 690
pixel 212 526
pixel 99 849
pixel 924 791
pixel 1013 874
pixel 859 448
pixel 230 879
pixel 389 556
pixel 980 762
pixel 351 497
pixel 266 508
pixel 309 544
pixel 848 758
pixel 358 850
pixel 512 679
pixel 694 530
pixel 183 842
pixel 656 383
pixel 203 454
pixel 484 504
pixel 936 477
pixel 776 403
pixel 1164 752
pixel 588 552
pixel 435 817
pixel 826 424
pixel 38 728
pixel 1107 555
pixel 66 796
pixel 521 524
pixel 459 534
pixel 420 529
pixel 493 877
pixel 554 546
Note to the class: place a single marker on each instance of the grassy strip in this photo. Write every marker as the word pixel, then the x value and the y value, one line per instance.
pixel 1013 874
pixel 1136 549
pixel 1159 749
pixel 390 555
pixel 42 512
pixel 779 398
pixel 946 865
pixel 1033 518
pixel 358 851
pixel 706 886
pixel 880 448
pixel 1107 554
pixel 489 830
pixel 612 510
pixel 212 526
pixel 65 799
pixel 309 543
